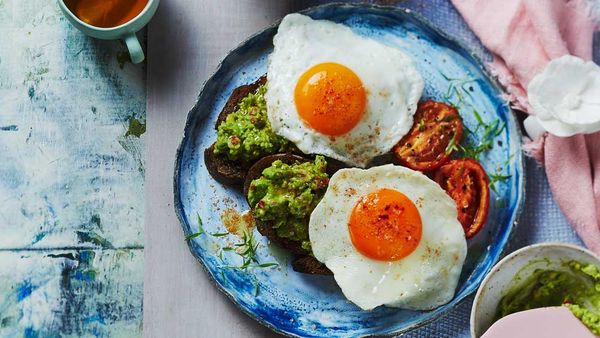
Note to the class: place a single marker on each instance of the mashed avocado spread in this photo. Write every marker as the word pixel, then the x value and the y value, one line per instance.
pixel 577 288
pixel 287 194
pixel 246 134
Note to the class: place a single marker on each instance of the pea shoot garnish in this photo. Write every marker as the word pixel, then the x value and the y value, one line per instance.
pixel 246 249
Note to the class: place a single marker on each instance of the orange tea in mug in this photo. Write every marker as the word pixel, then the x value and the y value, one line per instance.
pixel 106 13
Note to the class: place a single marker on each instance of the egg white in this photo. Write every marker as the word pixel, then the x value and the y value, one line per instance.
pixel 425 279
pixel 392 82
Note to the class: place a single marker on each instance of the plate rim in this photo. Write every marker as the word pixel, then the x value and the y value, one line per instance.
pixel 519 166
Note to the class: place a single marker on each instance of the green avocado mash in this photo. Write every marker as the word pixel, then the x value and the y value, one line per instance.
pixel 246 134
pixel 577 288
pixel 287 194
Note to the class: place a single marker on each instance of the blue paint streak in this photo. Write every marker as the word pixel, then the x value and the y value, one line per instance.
pixel 98 317
pixel 24 290
pixel 12 127
pixel 85 271
pixel 30 333
pixel 39 237
pixel 50 207
pixel 86 276
pixel 87 256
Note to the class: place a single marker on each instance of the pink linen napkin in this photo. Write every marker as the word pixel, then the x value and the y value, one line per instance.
pixel 524 35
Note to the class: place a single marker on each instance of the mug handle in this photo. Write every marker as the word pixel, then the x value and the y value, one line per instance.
pixel 135 49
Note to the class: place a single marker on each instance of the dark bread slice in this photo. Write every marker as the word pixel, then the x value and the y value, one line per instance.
pixel 266 228
pixel 236 97
pixel 303 262
pixel 219 167
pixel 309 264
pixel 222 169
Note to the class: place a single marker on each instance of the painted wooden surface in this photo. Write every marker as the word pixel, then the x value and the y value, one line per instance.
pixel 187 39
pixel 72 116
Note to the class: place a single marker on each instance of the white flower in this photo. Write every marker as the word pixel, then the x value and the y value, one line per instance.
pixel 565 98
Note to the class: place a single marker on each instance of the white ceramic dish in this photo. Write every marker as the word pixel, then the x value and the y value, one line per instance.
pixel 523 261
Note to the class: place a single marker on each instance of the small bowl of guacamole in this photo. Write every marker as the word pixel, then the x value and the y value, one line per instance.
pixel 537 276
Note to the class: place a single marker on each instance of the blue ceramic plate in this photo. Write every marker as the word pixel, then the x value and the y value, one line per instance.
pixel 301 305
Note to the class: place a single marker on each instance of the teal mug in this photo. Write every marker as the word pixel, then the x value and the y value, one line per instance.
pixel 125 31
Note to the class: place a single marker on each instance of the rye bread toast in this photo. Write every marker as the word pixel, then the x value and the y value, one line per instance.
pixel 303 261
pixel 309 264
pixel 220 167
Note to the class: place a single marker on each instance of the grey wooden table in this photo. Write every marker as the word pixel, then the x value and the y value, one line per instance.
pixel 186 41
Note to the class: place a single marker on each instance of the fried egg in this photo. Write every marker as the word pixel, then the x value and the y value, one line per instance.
pixel 390 236
pixel 333 92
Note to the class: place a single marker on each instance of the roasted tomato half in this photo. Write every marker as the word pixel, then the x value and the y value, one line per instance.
pixel 426 146
pixel 466 182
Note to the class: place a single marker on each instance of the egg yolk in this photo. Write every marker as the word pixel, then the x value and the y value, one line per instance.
pixel 385 225
pixel 330 98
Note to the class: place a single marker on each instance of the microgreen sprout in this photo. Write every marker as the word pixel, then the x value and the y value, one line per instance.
pixel 476 141
pixel 497 177
pixel 454 89
pixel 199 232
pixel 452 146
pixel 219 234
pixel 247 250
pixel 487 132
